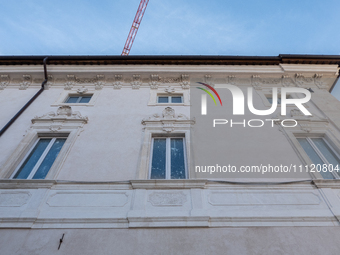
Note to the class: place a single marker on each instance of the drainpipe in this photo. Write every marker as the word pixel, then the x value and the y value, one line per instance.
pixel 28 103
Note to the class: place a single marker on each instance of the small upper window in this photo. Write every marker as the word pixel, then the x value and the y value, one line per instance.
pixel 174 99
pixel 322 153
pixel 40 158
pixel 78 99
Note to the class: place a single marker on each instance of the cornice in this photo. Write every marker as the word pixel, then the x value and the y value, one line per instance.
pixel 257 76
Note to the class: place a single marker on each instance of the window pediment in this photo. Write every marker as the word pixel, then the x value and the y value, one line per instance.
pixel 168 121
pixel 64 113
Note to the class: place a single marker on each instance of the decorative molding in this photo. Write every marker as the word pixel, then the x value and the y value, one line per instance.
pixel 255 82
pixel 136 81
pixel 99 84
pixel 185 81
pixel 50 81
pixel 208 79
pixel 4 81
pixel 231 79
pixel 318 82
pixel 169 90
pixel 287 81
pixel 14 198
pixel 170 79
pixel 301 80
pixel 87 199
pixel 167 114
pixel 82 90
pixel 154 83
pixel 117 84
pixel 71 80
pixel 305 123
pixel 296 113
pixel 173 198
pixel 98 77
pixel 168 120
pixel 64 113
pixel 55 127
pixel 227 198
pixel 305 127
pixel 27 80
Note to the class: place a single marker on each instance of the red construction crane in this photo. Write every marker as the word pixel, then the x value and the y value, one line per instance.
pixel 134 27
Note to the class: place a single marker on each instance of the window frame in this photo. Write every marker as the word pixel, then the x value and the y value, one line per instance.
pixel 319 153
pixel 156 93
pixel 48 125
pixel 170 99
pixel 42 157
pixel 79 98
pixel 61 101
pixel 168 156
pixel 168 123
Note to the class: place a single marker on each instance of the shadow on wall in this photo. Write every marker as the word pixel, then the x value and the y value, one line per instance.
pixel 336 90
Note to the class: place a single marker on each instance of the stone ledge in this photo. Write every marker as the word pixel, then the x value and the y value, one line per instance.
pixel 169 184
pixel 322 183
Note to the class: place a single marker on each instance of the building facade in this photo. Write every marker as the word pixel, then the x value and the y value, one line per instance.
pixel 107 158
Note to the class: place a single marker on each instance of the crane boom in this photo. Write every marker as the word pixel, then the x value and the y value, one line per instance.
pixel 134 27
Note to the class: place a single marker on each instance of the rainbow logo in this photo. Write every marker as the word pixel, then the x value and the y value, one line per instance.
pixel 208 92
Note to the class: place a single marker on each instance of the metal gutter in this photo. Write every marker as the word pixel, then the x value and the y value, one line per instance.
pixel 29 102
pixel 172 60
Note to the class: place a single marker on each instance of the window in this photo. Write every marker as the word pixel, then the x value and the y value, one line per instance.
pixel 78 99
pixel 40 158
pixel 321 152
pixel 168 158
pixel 174 99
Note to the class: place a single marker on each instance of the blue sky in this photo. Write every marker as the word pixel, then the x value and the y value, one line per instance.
pixel 176 27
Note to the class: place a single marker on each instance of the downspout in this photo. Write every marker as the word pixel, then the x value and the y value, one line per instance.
pixel 28 103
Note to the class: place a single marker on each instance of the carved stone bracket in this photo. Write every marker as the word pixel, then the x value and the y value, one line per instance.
pixel 117 84
pixel 136 81
pixel 27 80
pixel 71 80
pixel 319 83
pixel 185 81
pixel 208 79
pixel 99 84
pixel 287 81
pixel 301 80
pixel 255 82
pixel 231 79
pixel 4 81
pixel 154 83
pixel 50 81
